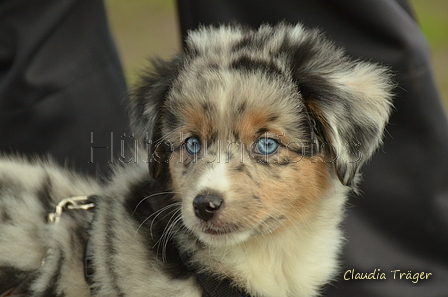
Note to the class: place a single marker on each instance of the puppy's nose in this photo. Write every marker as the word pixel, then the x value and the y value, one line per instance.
pixel 205 206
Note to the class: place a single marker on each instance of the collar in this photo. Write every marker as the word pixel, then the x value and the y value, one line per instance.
pixel 89 269
pixel 75 202
pixel 80 203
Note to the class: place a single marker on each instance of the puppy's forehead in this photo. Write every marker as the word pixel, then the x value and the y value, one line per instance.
pixel 230 101
pixel 235 80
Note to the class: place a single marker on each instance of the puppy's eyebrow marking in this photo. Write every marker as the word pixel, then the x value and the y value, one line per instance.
pixel 273 118
pixel 261 131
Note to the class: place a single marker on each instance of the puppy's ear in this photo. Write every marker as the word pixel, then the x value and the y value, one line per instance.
pixel 147 105
pixel 350 102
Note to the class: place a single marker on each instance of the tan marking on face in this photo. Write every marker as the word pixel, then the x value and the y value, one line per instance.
pixel 197 121
pixel 297 191
pixel 251 122
pixel 177 181
pixel 288 194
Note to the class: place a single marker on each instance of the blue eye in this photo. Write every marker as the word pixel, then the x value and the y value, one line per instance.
pixel 266 146
pixel 193 145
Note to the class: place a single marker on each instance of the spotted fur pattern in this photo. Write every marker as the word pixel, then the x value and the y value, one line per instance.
pixel 270 223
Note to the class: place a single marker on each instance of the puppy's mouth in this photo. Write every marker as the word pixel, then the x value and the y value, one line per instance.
pixel 216 234
pixel 213 230
pixel 230 233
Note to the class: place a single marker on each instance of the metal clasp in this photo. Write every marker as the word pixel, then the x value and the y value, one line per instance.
pixel 75 202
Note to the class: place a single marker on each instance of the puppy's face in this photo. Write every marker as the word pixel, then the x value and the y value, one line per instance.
pixel 259 124
pixel 239 162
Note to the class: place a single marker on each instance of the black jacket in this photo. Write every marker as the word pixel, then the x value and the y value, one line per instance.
pixel 62 89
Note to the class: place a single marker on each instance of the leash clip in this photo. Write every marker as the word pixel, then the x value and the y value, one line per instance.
pixel 75 202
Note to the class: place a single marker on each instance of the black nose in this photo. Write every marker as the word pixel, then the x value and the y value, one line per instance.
pixel 205 206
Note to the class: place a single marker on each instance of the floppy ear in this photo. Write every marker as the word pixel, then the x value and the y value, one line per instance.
pixel 146 107
pixel 349 100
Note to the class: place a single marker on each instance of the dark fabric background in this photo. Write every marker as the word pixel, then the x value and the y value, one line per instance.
pixel 60 81
pixel 401 219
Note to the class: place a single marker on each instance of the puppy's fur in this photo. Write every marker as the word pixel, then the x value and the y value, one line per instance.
pixel 265 220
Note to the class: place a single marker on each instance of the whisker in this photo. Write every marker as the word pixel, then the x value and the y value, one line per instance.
pixel 150 196
pixel 168 232
pixel 155 215
pixel 161 210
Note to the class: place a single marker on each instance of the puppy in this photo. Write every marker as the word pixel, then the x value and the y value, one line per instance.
pixel 253 139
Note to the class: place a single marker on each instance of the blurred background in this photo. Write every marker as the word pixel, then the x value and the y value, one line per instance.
pixel 145 28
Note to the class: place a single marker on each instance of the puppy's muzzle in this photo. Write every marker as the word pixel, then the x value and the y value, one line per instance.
pixel 206 206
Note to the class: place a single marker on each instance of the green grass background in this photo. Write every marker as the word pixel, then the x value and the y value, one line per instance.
pixel 145 28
